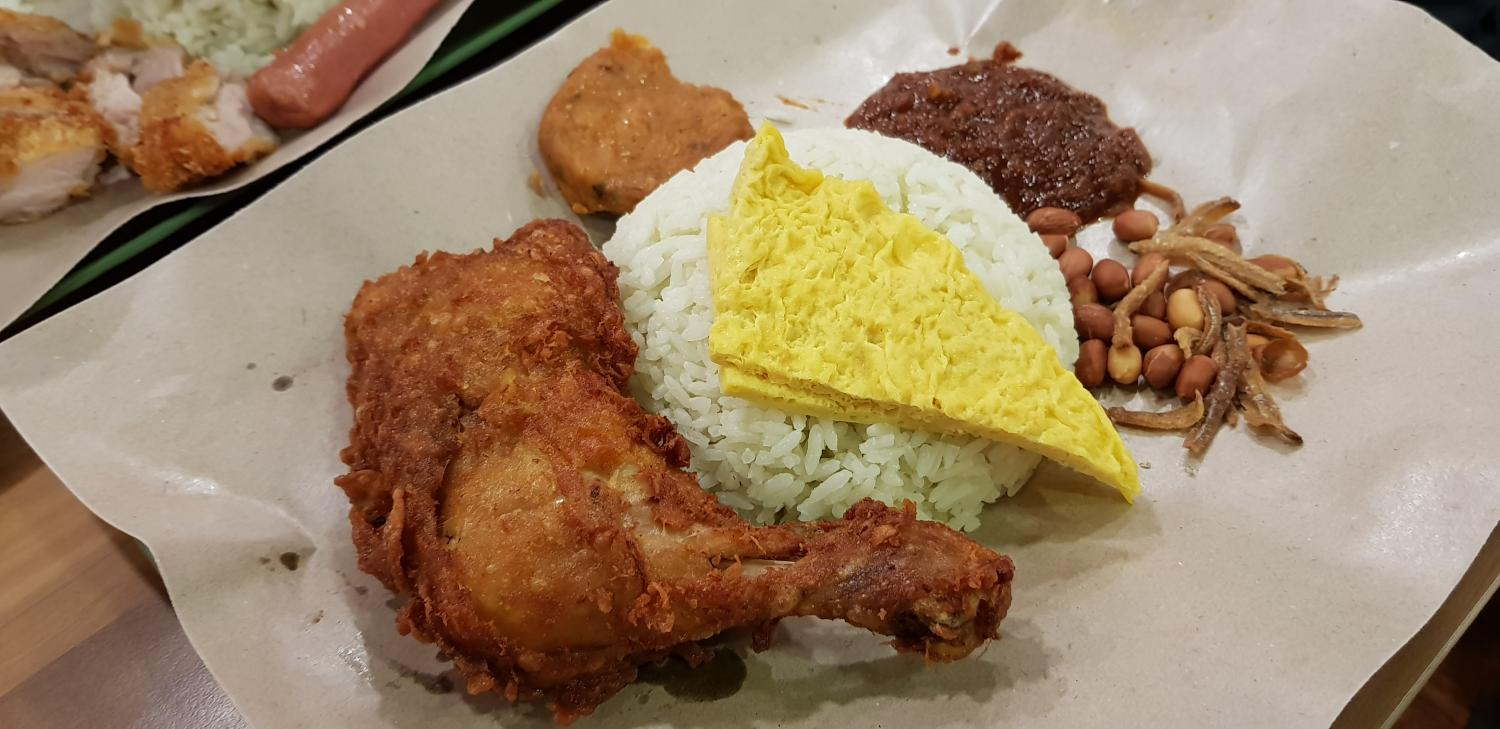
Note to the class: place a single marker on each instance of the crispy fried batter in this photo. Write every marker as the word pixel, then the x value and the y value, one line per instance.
pixel 43 46
pixel 541 521
pixel 195 127
pixel 51 147
pixel 622 124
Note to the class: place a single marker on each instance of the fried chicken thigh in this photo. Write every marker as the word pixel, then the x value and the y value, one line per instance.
pixel 51 149
pixel 42 47
pixel 195 127
pixel 113 83
pixel 543 524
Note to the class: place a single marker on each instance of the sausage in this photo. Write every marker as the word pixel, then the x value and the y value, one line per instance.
pixel 310 79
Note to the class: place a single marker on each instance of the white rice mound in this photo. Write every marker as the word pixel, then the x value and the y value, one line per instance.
pixel 773 465
pixel 239 36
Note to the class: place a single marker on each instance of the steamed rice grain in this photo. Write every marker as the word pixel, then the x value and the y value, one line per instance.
pixel 239 36
pixel 774 465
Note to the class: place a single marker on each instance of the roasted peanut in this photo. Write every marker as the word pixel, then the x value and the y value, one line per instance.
pixel 1054 221
pixel 1093 321
pixel 1224 234
pixel 1183 309
pixel 1149 331
pixel 1075 262
pixel 1282 358
pixel 1082 291
pixel 1124 364
pixel 1161 365
pixel 1155 305
pixel 1056 244
pixel 1133 225
pixel 1279 265
pixel 1111 279
pixel 1090 366
pixel 1227 303
pixel 1196 376
pixel 1146 265
pixel 1184 280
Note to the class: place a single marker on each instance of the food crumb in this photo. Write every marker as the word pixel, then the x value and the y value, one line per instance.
pixel 1005 53
pixel 290 560
pixel 282 383
pixel 316 618
pixel 250 366
pixel 124 33
pixel 792 102
pixel 535 183
pixel 1146 465
pixel 264 560
pixel 361 590
pixel 953 50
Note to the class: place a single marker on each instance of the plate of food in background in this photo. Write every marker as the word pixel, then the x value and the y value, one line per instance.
pixel 111 108
pixel 695 322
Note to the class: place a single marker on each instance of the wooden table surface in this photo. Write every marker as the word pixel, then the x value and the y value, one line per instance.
pixel 90 640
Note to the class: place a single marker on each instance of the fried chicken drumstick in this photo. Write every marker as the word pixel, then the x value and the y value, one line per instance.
pixel 543 524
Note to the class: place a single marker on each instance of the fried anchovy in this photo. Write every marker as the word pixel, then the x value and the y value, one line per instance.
pixel 1167 195
pixel 1213 320
pixel 1186 338
pixel 1268 330
pixel 1178 418
pixel 1260 408
pixel 1221 395
pixel 1306 317
pixel 1124 334
pixel 1205 215
pixel 1213 259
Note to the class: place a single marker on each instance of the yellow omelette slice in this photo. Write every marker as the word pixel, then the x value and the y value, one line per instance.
pixel 829 303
